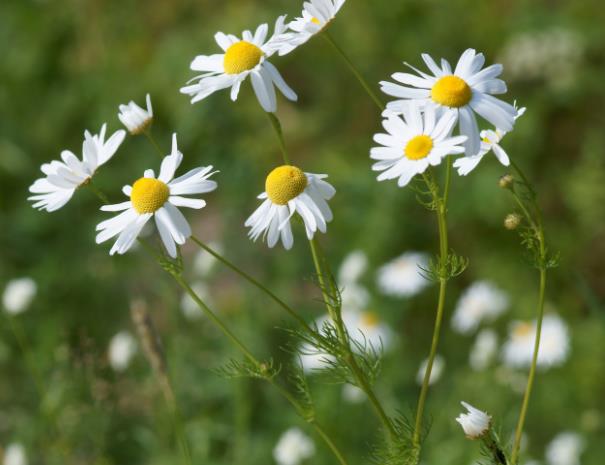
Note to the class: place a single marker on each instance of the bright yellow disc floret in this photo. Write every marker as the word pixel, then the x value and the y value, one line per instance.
pixel 451 91
pixel 285 183
pixel 418 147
pixel 148 195
pixel 370 319
pixel 241 56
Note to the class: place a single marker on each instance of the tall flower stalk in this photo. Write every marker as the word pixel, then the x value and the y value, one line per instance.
pixel 534 240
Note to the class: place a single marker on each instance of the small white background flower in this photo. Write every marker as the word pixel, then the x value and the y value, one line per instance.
pixel 484 349
pixel 413 143
pixel 482 301
pixel 18 295
pixel 14 454
pixel 293 448
pixel 436 372
pixel 64 177
pixel 122 347
pixel 158 198
pixel 554 343
pixel 402 276
pixel 242 58
pixel 565 449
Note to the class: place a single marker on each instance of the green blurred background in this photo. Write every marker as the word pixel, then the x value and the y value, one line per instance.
pixel 65 67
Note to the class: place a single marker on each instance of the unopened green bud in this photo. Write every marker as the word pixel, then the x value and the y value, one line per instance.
pixel 506 181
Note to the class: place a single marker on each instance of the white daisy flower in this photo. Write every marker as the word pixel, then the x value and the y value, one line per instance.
pixel 293 448
pixel 159 198
pixel 354 297
pixel 243 57
pixel 436 372
pixel 316 16
pixel 288 190
pixel 414 143
pixel 490 142
pixel 402 276
pixel 189 307
pixel 18 295
pixel 204 263
pixel 565 449
pixel 353 394
pixel 554 343
pixel 122 348
pixel 352 267
pixel 364 328
pixel 461 93
pixel 136 119
pixel 481 301
pixel 14 454
pixel 484 349
pixel 475 423
pixel 63 178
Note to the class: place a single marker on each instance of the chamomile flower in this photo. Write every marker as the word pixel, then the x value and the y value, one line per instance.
pixel 402 276
pixel 18 295
pixel 565 449
pixel 158 198
pixel 413 143
pixel 15 454
pixel 122 348
pixel 62 178
pixel 289 190
pixel 490 142
pixel 554 343
pixel 475 423
pixel 293 448
pixel 484 349
pixel 481 301
pixel 316 16
pixel 136 119
pixel 243 57
pixel 461 93
pixel 436 371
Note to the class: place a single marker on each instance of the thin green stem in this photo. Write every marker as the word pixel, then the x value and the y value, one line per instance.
pixel 98 192
pixel 280 136
pixel 254 282
pixel 248 354
pixel 441 209
pixel 539 232
pixel 326 35
pixel 343 336
pixel 151 139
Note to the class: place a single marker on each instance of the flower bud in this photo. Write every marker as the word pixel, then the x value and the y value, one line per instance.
pixel 512 221
pixel 506 181
pixel 475 423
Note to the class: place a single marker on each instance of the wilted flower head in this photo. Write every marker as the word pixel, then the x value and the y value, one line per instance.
pixel 121 349
pixel 62 178
pixel 136 119
pixel 475 423
pixel 293 447
pixel 18 295
pixel 481 301
pixel 565 449
pixel 402 276
pixel 554 343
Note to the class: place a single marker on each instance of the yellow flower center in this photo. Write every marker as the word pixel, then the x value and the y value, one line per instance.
pixel 148 195
pixel 241 56
pixel 418 147
pixel 370 319
pixel 285 183
pixel 315 20
pixel 451 91
pixel 523 329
